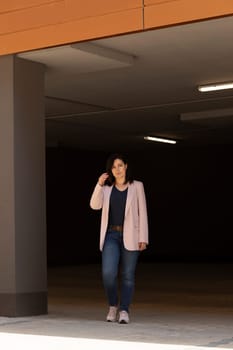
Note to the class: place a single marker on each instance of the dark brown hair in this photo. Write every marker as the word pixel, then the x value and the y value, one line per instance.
pixel 109 164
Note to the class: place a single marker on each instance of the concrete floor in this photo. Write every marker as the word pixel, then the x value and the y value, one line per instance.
pixel 176 306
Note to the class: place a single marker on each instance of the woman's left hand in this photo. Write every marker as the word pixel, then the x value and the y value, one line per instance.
pixel 142 245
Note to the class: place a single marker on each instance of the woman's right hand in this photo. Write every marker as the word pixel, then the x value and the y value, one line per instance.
pixel 102 179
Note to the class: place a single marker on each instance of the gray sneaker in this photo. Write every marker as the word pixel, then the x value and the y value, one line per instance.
pixel 112 314
pixel 123 317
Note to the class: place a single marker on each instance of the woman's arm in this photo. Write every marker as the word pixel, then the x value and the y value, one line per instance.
pixel 97 197
pixel 143 218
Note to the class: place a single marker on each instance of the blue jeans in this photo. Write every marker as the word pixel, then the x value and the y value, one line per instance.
pixel 114 255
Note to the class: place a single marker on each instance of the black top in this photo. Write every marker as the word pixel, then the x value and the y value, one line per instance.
pixel 117 206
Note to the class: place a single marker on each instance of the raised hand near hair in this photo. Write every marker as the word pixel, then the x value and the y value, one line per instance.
pixel 102 179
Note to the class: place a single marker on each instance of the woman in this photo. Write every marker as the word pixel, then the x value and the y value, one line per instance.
pixel 123 232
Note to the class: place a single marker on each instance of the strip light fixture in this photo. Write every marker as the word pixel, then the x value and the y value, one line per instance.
pixel 159 139
pixel 215 87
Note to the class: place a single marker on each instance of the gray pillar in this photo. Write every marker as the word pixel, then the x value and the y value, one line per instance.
pixel 23 262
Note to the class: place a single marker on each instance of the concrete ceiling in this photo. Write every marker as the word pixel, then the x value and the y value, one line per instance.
pixel 109 93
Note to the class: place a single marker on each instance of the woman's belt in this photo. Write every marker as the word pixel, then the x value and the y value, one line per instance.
pixel 118 228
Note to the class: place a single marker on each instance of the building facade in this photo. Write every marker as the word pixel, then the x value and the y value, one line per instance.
pixel 35 24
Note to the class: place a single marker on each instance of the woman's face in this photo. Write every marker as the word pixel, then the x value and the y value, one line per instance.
pixel 119 169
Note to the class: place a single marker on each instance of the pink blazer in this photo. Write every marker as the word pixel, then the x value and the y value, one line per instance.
pixel 135 228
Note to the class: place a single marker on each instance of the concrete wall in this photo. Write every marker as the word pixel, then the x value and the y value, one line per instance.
pixel 23 263
pixel 33 24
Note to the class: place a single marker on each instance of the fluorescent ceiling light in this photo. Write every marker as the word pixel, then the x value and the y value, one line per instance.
pixel 215 87
pixel 159 139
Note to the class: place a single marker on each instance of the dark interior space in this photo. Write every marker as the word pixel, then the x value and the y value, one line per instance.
pixel 188 190
pixel 107 95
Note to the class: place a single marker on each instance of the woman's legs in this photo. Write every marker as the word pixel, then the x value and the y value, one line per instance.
pixel 110 262
pixel 114 253
pixel 128 266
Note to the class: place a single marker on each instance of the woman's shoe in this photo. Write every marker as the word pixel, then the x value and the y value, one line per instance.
pixel 112 314
pixel 123 317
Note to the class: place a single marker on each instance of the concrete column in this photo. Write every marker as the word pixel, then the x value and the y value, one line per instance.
pixel 23 262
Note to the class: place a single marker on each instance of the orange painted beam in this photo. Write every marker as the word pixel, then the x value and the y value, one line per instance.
pixel 60 11
pixel 153 2
pixel 15 5
pixel 32 17
pixel 33 24
pixel 159 13
pixel 64 33
pixel 57 22
pixel 91 8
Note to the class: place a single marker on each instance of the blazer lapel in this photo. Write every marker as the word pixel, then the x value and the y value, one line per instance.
pixel 130 193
